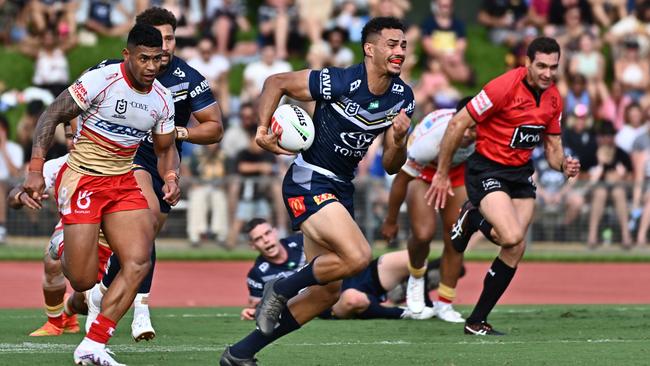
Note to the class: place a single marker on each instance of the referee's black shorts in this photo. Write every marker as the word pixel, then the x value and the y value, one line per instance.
pixel 484 176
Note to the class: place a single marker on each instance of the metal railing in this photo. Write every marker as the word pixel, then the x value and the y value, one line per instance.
pixel 370 207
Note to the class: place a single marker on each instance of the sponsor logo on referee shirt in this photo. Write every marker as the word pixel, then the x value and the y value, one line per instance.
pixel 527 136
pixel 481 102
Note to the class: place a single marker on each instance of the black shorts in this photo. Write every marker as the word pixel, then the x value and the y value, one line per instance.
pixel 366 281
pixel 140 163
pixel 484 176
pixel 305 191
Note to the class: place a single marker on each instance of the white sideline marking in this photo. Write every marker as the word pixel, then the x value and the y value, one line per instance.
pixel 49 348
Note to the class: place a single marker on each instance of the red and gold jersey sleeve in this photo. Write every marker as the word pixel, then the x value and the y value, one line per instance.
pixel 165 121
pixel 85 89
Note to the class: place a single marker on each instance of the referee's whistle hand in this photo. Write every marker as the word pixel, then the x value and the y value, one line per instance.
pixel 571 166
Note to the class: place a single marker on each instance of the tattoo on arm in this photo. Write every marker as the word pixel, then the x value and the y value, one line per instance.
pixel 64 108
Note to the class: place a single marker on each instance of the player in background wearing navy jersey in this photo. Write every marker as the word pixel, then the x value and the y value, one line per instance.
pixel 353 107
pixel 361 295
pixel 192 97
pixel 513 113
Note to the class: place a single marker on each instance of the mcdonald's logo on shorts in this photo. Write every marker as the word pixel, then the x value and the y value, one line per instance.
pixel 297 205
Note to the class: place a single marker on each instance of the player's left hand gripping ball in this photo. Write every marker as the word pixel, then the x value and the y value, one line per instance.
pixel 401 124
pixel 269 141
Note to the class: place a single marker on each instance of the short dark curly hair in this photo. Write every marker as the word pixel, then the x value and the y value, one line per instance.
pixel 253 223
pixel 144 35
pixel 157 16
pixel 376 25
pixel 543 45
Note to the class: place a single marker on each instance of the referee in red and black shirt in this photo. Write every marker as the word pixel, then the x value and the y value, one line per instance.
pixel 513 113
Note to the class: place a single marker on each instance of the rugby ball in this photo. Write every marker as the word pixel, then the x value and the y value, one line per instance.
pixel 297 127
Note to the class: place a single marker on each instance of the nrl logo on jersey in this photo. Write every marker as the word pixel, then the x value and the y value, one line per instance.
pixel 179 73
pixel 351 109
pixel 120 106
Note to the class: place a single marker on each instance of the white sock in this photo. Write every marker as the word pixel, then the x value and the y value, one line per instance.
pixel 141 305
pixel 96 296
pixel 89 343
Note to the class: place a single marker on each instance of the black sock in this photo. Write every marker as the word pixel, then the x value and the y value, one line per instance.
pixel 474 219
pixel 290 286
pixel 145 286
pixel 255 341
pixel 486 229
pixel 495 284
pixel 376 311
pixel 111 271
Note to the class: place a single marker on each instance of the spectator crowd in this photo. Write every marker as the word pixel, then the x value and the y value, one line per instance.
pixel 604 79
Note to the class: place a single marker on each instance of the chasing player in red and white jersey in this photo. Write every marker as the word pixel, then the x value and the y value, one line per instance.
pixel 411 183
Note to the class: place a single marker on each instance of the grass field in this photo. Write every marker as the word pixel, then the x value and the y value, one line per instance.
pixel 537 335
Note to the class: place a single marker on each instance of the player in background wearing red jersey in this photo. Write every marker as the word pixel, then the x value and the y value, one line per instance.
pixel 513 113
pixel 410 184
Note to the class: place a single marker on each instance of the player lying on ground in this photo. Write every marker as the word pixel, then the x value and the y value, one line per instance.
pixel 361 295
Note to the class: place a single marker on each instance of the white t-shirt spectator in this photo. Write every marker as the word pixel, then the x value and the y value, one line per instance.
pixel 211 69
pixel 257 72
pixel 51 68
pixel 627 134
pixel 15 154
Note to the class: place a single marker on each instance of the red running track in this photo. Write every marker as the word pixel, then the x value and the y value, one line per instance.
pixel 183 284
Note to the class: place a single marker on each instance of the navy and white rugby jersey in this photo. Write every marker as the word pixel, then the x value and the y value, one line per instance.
pixel 264 271
pixel 191 93
pixel 348 116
